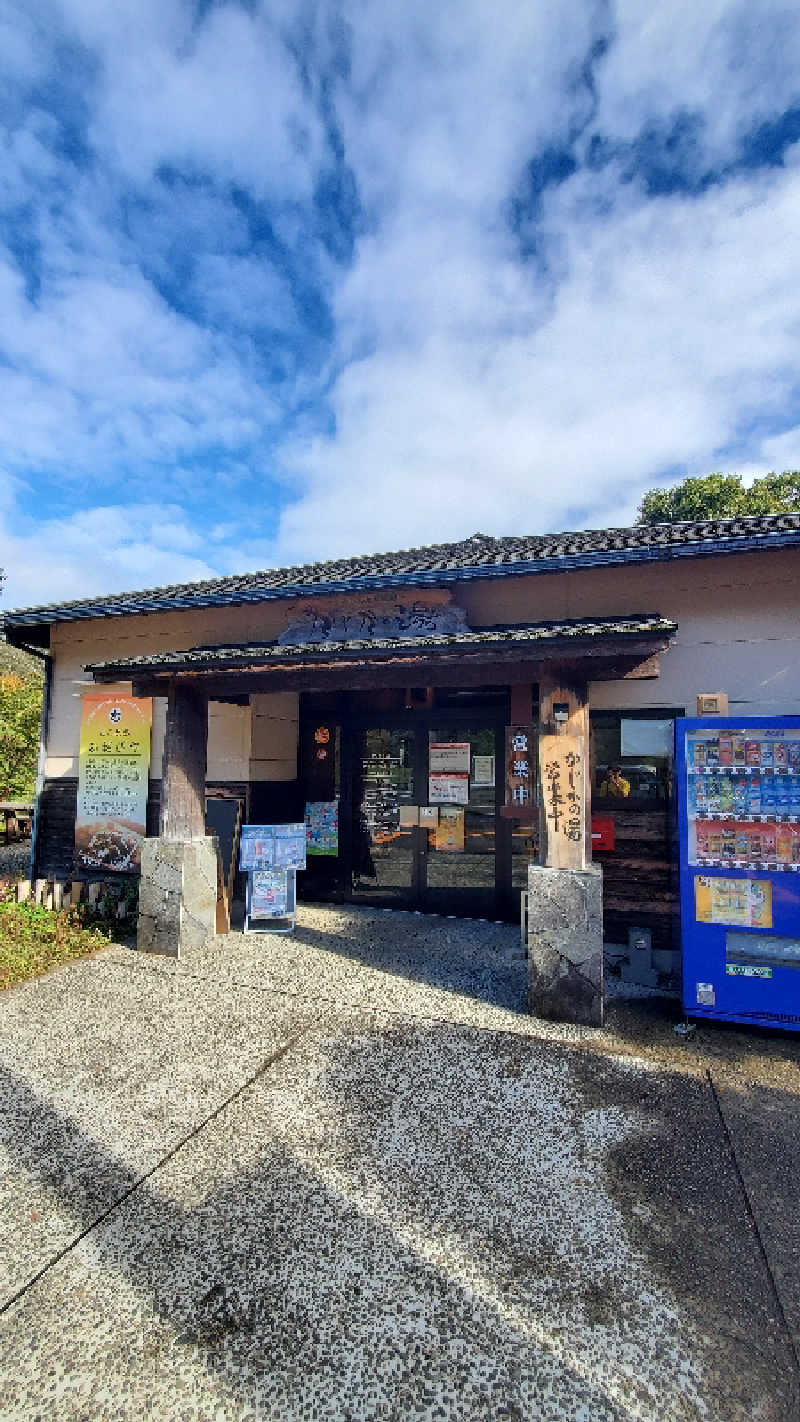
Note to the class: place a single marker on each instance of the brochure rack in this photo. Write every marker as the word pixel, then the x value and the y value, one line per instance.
pixel 271 855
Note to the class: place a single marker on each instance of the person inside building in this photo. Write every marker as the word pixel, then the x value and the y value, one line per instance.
pixel 615 786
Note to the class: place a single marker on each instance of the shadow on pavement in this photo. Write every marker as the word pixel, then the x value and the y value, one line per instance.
pixel 402 1217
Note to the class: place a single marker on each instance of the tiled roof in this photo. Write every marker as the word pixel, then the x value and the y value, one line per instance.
pixel 480 556
pixel 255 654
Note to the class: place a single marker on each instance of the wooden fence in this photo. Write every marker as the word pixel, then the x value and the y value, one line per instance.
pixel 56 894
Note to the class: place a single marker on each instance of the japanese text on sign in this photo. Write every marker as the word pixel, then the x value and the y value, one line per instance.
pixel 113 767
pixel 520 768
pixel 563 795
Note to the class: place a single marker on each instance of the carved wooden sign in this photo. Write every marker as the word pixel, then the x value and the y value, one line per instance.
pixel 411 620
pixel 520 796
pixel 561 759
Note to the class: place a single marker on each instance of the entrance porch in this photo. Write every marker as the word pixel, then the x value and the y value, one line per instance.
pixel 378 717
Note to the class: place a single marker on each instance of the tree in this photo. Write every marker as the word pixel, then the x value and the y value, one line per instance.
pixel 722 496
pixel 20 710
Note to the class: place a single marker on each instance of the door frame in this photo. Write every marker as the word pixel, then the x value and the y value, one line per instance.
pixel 421 721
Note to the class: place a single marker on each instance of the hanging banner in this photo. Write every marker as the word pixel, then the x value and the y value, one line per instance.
pixel 113 770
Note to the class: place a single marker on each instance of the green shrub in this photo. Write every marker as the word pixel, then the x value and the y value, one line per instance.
pixel 34 939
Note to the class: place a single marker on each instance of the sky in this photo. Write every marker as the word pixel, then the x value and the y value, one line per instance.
pixel 295 280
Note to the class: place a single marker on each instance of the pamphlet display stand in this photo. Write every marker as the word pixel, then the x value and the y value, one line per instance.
pixel 270 855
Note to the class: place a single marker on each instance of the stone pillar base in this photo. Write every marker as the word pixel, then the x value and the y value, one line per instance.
pixel 565 944
pixel 177 895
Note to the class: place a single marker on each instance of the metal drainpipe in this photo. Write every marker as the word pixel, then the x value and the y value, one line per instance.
pixel 47 658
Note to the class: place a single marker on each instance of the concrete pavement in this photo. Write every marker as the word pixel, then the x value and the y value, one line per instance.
pixel 343 1175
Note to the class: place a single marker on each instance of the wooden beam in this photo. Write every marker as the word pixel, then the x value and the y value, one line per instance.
pixel 564 770
pixel 369 674
pixel 183 791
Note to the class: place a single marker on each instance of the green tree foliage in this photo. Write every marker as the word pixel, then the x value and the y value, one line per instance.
pixel 20 710
pixel 722 496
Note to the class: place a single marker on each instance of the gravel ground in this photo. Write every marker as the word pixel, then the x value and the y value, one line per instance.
pixel 343 1175
pixel 15 859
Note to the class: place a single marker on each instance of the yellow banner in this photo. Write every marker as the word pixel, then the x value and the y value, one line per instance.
pixel 113 769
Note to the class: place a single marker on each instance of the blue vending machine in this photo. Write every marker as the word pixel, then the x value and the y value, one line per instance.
pixel 739 810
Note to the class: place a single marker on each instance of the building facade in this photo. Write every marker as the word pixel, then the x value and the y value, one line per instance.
pixel 346 682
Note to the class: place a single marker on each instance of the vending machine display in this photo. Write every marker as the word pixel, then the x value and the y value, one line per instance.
pixel 739 814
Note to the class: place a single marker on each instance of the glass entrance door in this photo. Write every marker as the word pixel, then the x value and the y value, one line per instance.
pixel 460 848
pixel 425 817
pixel 385 868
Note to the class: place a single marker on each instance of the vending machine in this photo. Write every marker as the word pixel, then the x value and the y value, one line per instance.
pixel 739 818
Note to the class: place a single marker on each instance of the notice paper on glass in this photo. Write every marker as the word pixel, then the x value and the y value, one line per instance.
pixel 429 815
pixel 449 789
pixel 452 756
pixel 483 770
pixel 409 815
pixel 450 830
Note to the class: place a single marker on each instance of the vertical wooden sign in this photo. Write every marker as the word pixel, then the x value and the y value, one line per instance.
pixel 562 774
pixel 520 771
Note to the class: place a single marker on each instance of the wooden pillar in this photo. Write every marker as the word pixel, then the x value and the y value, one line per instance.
pixel 565 828
pixel 183 788
pixel 521 703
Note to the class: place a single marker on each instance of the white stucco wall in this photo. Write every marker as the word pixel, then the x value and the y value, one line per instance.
pixel 738 625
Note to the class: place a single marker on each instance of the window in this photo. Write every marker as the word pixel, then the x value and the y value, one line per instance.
pixel 632 758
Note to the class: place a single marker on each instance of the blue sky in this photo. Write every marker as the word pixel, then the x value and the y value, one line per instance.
pixel 287 281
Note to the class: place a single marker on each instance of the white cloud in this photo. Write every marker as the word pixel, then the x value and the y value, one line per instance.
pixel 479 392
pixel 101 369
pixel 221 96
pixel 95 551
pixel 731 61
pixel 155 352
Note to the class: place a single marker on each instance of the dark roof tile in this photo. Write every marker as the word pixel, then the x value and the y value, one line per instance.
pixel 478 556
pixel 578 629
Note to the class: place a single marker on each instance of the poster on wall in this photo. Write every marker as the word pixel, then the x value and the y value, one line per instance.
pixel 322 827
pixel 448 789
pixel 113 770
